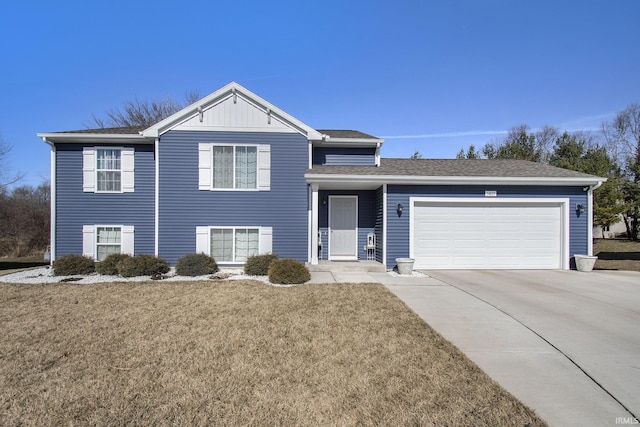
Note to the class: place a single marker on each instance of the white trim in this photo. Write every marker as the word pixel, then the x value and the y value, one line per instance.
pixel 377 154
pixel 372 180
pixel 384 224
pixel 265 240
pixel 205 166
pixel 237 129
pixel 89 178
pixel 232 89
pixel 349 142
pixel 52 208
pixel 589 213
pixel 156 226
pixel 353 257
pixel 127 169
pixel 314 224
pixel 94 138
pixel 564 204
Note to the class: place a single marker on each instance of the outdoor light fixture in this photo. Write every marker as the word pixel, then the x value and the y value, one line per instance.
pixel 580 209
pixel 399 208
pixel 324 200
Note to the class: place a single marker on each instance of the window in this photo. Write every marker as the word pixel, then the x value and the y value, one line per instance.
pixel 223 167
pixel 100 241
pixel 108 170
pixel 233 244
pixel 108 241
pixel 235 167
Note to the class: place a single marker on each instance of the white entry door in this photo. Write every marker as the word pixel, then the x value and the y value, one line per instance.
pixel 343 227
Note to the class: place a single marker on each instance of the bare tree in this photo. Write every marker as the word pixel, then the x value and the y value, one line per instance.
pixel 24 220
pixel 142 113
pixel 622 136
pixel 7 175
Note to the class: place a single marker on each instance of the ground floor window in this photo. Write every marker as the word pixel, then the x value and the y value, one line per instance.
pixel 100 241
pixel 108 241
pixel 234 244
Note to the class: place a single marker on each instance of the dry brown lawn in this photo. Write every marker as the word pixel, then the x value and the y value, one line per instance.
pixel 617 254
pixel 233 353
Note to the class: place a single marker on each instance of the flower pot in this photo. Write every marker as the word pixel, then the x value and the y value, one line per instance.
pixel 585 262
pixel 405 265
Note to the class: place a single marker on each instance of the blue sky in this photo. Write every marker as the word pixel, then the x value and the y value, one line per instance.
pixel 428 75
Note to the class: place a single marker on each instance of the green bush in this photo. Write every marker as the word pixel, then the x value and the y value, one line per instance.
pixel 109 266
pixel 196 265
pixel 258 265
pixel 142 265
pixel 71 264
pixel 288 272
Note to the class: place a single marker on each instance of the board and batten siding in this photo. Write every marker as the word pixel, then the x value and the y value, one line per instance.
pixel 336 156
pixel 366 217
pixel 75 208
pixel 398 225
pixel 183 207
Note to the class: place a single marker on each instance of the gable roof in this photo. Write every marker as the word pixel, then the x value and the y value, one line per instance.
pixel 451 171
pixel 231 90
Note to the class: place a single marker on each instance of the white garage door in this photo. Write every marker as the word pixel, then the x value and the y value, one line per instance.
pixel 482 235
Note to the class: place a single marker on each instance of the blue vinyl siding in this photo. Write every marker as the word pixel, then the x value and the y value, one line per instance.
pixel 366 217
pixel 74 208
pixel 398 225
pixel 379 225
pixel 336 156
pixel 183 207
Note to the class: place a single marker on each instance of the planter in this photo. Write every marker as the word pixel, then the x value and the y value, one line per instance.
pixel 585 262
pixel 405 265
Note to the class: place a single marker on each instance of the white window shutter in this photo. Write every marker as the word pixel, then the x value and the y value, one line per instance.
pixel 202 240
pixel 89 170
pixel 127 240
pixel 127 157
pixel 264 167
pixel 204 166
pixel 266 240
pixel 89 241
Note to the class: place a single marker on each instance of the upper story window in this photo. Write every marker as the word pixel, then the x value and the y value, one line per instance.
pixel 234 167
pixel 224 167
pixel 108 169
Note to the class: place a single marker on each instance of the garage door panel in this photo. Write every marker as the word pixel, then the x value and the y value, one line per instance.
pixel 484 235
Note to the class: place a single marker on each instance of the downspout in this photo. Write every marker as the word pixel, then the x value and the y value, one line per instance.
pixel 52 189
pixel 157 197
pixel 590 217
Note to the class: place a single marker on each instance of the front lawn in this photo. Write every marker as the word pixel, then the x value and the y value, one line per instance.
pixel 233 353
pixel 617 254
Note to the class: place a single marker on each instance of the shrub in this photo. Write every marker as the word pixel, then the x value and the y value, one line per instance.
pixel 258 265
pixel 142 265
pixel 109 266
pixel 196 265
pixel 288 272
pixel 69 265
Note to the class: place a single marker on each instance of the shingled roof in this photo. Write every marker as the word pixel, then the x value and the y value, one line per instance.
pixel 346 134
pixel 131 130
pixel 452 168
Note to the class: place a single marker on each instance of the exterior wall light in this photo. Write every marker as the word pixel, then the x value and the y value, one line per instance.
pixel 580 209
pixel 399 208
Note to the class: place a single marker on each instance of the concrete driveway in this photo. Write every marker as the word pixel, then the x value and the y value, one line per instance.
pixel 566 343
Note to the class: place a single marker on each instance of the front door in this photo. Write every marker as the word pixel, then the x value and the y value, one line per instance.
pixel 343 227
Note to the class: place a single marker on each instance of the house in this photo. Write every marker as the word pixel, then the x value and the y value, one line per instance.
pixel 233 175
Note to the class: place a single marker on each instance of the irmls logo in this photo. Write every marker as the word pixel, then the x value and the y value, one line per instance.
pixel 627 420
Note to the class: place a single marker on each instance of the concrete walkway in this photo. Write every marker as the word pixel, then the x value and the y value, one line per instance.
pixel 542 372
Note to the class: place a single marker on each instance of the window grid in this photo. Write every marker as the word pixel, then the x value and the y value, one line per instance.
pixel 108 170
pixel 108 241
pixel 234 244
pixel 234 167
